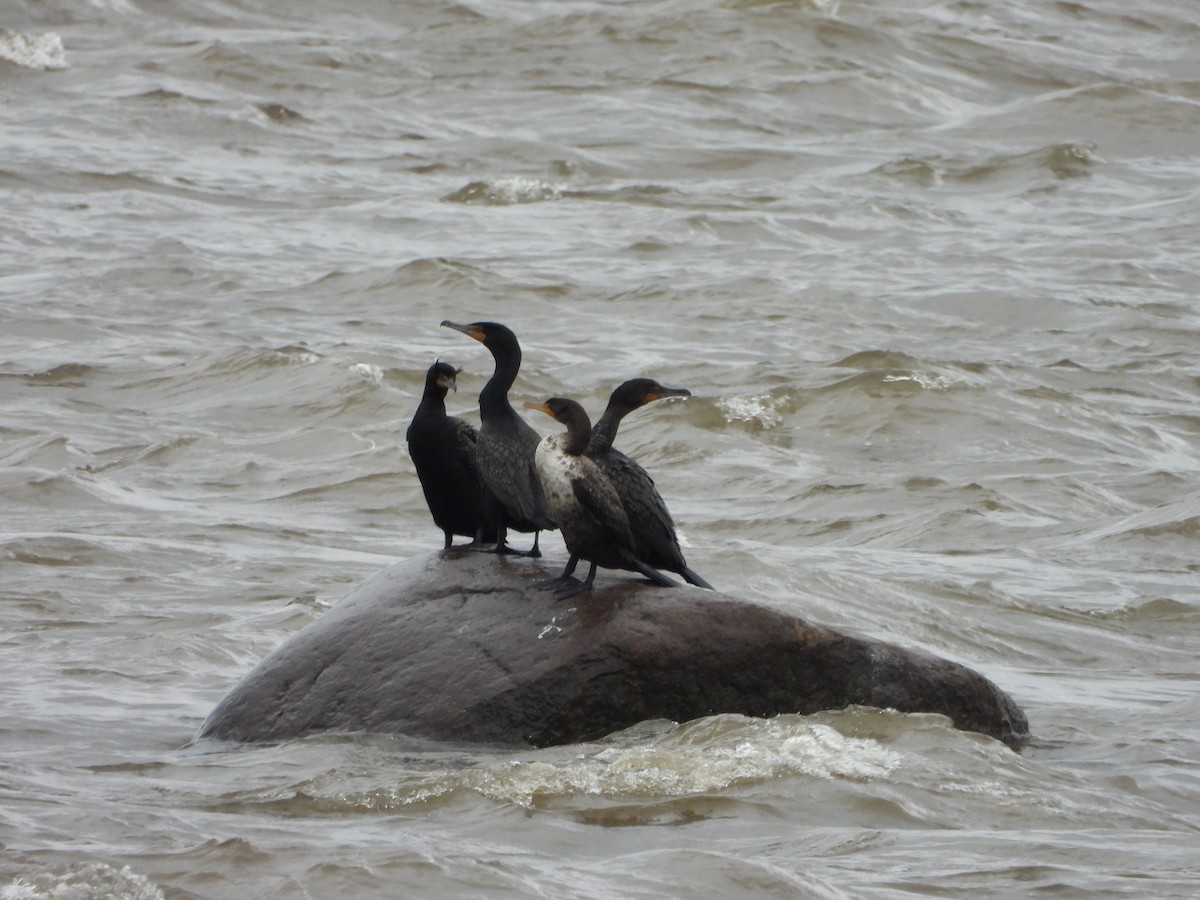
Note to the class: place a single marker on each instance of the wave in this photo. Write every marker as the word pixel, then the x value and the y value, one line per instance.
pixel 55 550
pixel 84 879
pixel 64 375
pixel 758 412
pixel 33 51
pixel 652 762
pixel 440 273
pixel 1179 518
pixel 505 192
pixel 1062 161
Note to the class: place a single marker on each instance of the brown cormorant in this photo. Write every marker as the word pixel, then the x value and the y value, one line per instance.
pixel 653 529
pixel 584 502
pixel 504 451
pixel 442 448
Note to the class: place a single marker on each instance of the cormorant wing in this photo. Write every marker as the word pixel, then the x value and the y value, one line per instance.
pixel 653 527
pixel 605 507
pixel 465 438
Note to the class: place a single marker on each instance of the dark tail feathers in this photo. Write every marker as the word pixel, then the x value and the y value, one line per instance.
pixel 654 575
pixel 692 578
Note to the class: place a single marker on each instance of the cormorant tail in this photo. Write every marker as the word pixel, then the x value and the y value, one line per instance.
pixel 653 574
pixel 692 578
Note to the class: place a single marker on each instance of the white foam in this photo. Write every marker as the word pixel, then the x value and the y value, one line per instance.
pixel 525 190
pixel 296 356
pixel 507 192
pixel 33 51
pixel 698 758
pixel 82 881
pixel 921 379
pixel 19 890
pixel 117 6
pixel 760 409
pixel 368 372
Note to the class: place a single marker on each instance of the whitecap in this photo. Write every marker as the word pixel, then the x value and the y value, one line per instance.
pixel 117 6
pixel 506 192
pixel 368 372
pixel 709 755
pixel 19 890
pixel 759 409
pixel 87 879
pixel 927 381
pixel 33 51
pixel 295 355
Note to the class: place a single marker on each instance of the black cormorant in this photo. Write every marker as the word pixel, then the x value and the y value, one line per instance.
pixel 442 448
pixel 653 529
pixel 584 502
pixel 504 451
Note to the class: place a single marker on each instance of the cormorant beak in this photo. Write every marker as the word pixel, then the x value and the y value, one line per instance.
pixel 660 392
pixel 540 407
pixel 449 381
pixel 472 330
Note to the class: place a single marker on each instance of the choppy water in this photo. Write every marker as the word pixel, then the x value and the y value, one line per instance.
pixel 929 268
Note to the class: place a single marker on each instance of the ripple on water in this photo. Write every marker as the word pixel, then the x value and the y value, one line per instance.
pixel 1002 172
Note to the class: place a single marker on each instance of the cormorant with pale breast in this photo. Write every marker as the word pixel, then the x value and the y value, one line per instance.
pixel 653 528
pixel 442 448
pixel 504 451
pixel 584 502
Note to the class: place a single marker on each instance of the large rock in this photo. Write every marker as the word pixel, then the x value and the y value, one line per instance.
pixel 462 646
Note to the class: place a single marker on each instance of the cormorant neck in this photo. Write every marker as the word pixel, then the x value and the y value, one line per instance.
pixel 495 393
pixel 604 432
pixel 434 399
pixel 579 433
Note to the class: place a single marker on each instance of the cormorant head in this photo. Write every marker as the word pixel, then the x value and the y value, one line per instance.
pixel 443 375
pixel 571 414
pixel 637 392
pixel 491 334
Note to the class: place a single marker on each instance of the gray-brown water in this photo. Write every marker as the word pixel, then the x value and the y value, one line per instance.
pixel 930 270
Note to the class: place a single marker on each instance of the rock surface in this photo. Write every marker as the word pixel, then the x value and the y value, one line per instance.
pixel 461 646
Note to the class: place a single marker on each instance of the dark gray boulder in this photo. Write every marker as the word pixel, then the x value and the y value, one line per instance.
pixel 461 646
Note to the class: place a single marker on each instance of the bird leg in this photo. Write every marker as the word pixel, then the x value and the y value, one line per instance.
pixel 578 587
pixel 566 578
pixel 502 547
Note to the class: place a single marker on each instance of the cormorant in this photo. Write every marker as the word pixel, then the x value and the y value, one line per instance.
pixel 504 451
pixel 442 448
pixel 584 502
pixel 651 523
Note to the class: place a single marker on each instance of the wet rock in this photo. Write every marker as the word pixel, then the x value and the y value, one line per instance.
pixel 461 646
